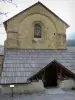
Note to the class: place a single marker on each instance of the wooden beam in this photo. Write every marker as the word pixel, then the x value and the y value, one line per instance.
pixel 43 76
pixel 57 72
pixel 60 73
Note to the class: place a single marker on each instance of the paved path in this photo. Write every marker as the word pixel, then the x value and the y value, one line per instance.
pixel 68 95
pixel 55 91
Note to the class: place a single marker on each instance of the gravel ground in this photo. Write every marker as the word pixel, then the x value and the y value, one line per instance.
pixel 68 95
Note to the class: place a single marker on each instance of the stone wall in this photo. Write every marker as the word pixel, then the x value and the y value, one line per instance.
pixel 24 88
pixel 67 84
pixel 20 30
pixel 1 62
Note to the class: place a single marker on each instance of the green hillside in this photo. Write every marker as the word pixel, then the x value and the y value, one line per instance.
pixel 71 42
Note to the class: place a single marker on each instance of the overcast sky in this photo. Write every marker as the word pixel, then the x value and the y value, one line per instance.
pixel 65 9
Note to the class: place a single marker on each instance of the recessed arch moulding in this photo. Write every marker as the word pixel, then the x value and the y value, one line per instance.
pixel 24 37
pixel 26 33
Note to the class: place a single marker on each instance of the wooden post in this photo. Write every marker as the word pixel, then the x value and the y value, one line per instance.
pixel 12 91
pixel 43 76
pixel 60 73
pixel 57 72
pixel 12 86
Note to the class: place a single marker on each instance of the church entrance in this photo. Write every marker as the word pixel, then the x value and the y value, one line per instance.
pixel 53 74
pixel 50 77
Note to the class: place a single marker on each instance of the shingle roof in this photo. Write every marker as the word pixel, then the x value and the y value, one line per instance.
pixel 20 65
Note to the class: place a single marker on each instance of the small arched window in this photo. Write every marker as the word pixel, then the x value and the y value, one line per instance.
pixel 37 31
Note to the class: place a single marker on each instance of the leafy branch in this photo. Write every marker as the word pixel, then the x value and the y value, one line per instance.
pixel 5 13
pixel 9 1
pixel 4 1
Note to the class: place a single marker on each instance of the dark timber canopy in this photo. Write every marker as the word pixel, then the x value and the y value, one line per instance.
pixel 53 72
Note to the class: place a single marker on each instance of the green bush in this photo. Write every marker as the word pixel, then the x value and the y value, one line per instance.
pixel 73 88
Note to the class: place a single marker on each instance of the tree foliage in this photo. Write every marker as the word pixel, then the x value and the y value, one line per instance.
pixel 5 13
pixel 4 1
pixel 9 1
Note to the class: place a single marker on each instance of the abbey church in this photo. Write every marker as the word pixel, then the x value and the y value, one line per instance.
pixel 35 52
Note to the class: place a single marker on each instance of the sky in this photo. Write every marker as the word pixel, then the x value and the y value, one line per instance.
pixel 65 9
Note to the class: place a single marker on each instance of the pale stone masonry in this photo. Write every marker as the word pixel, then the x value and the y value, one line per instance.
pixel 20 29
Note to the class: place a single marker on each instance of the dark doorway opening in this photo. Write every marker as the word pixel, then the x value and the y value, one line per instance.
pixel 50 76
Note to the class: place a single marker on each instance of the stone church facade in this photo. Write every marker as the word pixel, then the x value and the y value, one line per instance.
pixel 20 29
pixel 36 40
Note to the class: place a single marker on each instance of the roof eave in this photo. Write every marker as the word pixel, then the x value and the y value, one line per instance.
pixel 48 66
